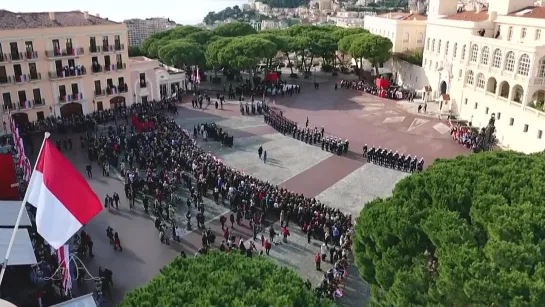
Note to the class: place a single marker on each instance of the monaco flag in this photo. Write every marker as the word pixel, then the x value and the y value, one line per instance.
pixel 63 199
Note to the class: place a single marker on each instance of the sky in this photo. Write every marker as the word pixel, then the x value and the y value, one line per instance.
pixel 181 11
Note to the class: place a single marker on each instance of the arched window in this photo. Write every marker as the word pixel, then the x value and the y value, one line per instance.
pixel 484 56
pixel 433 45
pixel 480 81
pixel 420 38
pixel 470 78
pixel 428 44
pixel 541 69
pixel 524 65
pixel 463 52
pixel 510 61
pixel 439 47
pixel 446 48
pixel 497 59
pixel 474 53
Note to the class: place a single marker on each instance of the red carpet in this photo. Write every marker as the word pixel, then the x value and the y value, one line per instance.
pixel 7 169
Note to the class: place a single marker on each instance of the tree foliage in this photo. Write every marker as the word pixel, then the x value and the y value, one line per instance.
pixel 220 279
pixel 465 232
pixel 135 51
pixel 181 53
pixel 246 52
pixel 286 3
pixel 234 13
pixel 234 29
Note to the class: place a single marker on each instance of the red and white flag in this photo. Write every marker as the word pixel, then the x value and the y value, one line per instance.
pixel 63 258
pixel 64 201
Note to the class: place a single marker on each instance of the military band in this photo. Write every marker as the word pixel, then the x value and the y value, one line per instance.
pixel 253 108
pixel 394 160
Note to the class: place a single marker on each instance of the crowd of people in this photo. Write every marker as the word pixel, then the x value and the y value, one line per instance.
pixel 392 92
pixel 464 135
pixel 159 162
pixel 306 134
pixel 213 131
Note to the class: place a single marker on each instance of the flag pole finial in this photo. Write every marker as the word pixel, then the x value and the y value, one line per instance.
pixel 47 135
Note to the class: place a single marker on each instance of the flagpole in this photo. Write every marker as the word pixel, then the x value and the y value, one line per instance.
pixel 23 205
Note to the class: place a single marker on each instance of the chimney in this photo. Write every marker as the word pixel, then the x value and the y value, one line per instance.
pixel 412 12
pixel 492 16
pixel 389 15
pixel 86 14
pixel 478 8
pixel 97 15
pixel 52 16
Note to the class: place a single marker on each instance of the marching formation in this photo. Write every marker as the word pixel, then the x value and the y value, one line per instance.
pixel 394 160
pixel 253 108
pixel 308 135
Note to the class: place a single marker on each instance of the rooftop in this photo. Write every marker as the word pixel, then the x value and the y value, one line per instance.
pixel 140 59
pixel 473 16
pixel 18 21
pixel 403 16
pixel 530 12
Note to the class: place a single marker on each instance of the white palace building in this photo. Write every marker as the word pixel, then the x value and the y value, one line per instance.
pixel 490 61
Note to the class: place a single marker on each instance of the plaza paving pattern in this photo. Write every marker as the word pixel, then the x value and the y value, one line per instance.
pixel 345 182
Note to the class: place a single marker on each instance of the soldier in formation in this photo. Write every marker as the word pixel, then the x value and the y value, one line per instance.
pixel 388 158
pixel 335 145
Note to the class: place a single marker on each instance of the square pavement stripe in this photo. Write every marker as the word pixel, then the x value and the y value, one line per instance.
pixel 363 185
pixel 286 157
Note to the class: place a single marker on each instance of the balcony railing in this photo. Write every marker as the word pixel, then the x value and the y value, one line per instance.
pixel 8 106
pixel 3 57
pixel 38 102
pixel 71 98
pixel 539 81
pixel 6 80
pixel 143 84
pixel 119 47
pixel 123 88
pixel 97 68
pixel 94 49
pixel 113 90
pixel 27 77
pixel 121 66
pixel 115 67
pixel 68 73
pixel 16 56
pixel 100 93
pixel 70 52
pixel 31 55
pixel 107 48
pixel 23 105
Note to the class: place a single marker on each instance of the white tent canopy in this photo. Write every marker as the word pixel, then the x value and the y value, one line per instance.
pixel 82 301
pixel 9 209
pixel 22 252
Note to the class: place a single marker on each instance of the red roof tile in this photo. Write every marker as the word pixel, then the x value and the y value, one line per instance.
pixel 14 21
pixel 403 16
pixel 530 12
pixel 469 16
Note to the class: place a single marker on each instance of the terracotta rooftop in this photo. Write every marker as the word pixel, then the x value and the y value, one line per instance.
pixel 403 16
pixel 530 12
pixel 470 16
pixel 15 21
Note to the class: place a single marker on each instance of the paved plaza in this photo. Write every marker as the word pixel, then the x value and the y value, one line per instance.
pixel 345 182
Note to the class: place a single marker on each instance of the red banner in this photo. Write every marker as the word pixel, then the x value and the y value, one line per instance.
pixel 382 83
pixel 272 76
pixel 140 126
pixel 8 178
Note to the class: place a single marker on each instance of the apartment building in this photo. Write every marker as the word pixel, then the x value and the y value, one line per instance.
pixel 406 30
pixel 140 29
pixel 60 64
pixel 491 61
